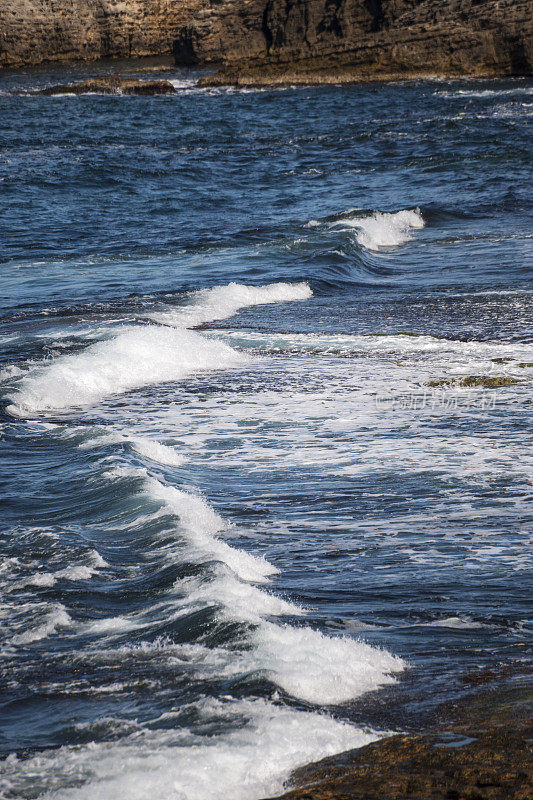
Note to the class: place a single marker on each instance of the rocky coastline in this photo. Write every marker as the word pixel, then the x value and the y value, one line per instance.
pixel 280 42
pixel 34 32
pixel 479 749
pixel 317 41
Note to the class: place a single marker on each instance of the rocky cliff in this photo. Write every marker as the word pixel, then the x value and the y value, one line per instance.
pixel 313 40
pixel 260 41
pixel 35 31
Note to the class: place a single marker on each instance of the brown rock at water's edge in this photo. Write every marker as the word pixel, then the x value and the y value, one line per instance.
pixel 485 754
pixel 111 84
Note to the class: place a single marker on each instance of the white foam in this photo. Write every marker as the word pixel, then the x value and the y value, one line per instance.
pixel 452 622
pixel 458 93
pixel 402 343
pixel 381 230
pixel 183 83
pixel 146 355
pixel 9 372
pixel 322 669
pixel 135 357
pixel 221 302
pixel 113 625
pixel 44 579
pixel 304 662
pixel 97 560
pixel 155 451
pixel 79 573
pixel 143 445
pixel 237 600
pixel 47 579
pixel 250 762
pixel 201 524
pixel 52 621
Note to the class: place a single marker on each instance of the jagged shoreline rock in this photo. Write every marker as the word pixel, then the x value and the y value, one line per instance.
pixel 485 753
pixel 111 84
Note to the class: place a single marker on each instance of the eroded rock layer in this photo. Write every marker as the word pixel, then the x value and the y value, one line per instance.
pixel 312 40
pixel 36 31
pixel 279 41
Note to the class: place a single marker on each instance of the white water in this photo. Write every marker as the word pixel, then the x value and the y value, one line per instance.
pixel 249 759
pixel 252 756
pixel 382 230
pixel 140 356
pixel 221 302
pixel 249 762
pixel 304 662
pixel 135 357
pixel 143 445
pixel 54 617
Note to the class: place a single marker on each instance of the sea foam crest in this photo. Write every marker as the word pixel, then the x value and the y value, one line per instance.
pixel 143 445
pixel 322 669
pixel 221 302
pixel 135 357
pixel 144 355
pixel 54 618
pixel 246 763
pixel 200 525
pixel 381 229
pixel 304 662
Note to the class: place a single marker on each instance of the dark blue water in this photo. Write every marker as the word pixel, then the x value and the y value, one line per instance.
pixel 251 516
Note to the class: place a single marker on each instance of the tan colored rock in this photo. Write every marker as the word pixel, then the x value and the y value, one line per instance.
pixel 314 41
pixel 37 31
pixel 280 41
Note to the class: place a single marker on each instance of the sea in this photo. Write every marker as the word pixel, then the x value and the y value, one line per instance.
pixel 265 444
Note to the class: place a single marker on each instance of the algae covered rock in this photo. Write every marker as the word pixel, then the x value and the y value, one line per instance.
pixel 476 381
pixel 111 84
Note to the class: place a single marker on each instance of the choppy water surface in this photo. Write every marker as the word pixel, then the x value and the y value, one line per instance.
pixel 241 528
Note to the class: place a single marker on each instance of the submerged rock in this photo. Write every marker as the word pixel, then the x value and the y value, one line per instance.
pixel 473 381
pixel 111 84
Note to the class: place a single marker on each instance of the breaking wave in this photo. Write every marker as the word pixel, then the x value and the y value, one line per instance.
pixel 145 355
pixel 221 302
pixel 382 230
pixel 251 761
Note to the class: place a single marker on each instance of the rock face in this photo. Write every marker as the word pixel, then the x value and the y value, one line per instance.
pixel 298 41
pixel 35 31
pixel 279 41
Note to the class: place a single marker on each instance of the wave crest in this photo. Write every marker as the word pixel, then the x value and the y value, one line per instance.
pixel 382 229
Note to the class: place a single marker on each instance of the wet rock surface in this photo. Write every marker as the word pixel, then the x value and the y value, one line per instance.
pixel 483 752
pixel 111 84
pixel 476 381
